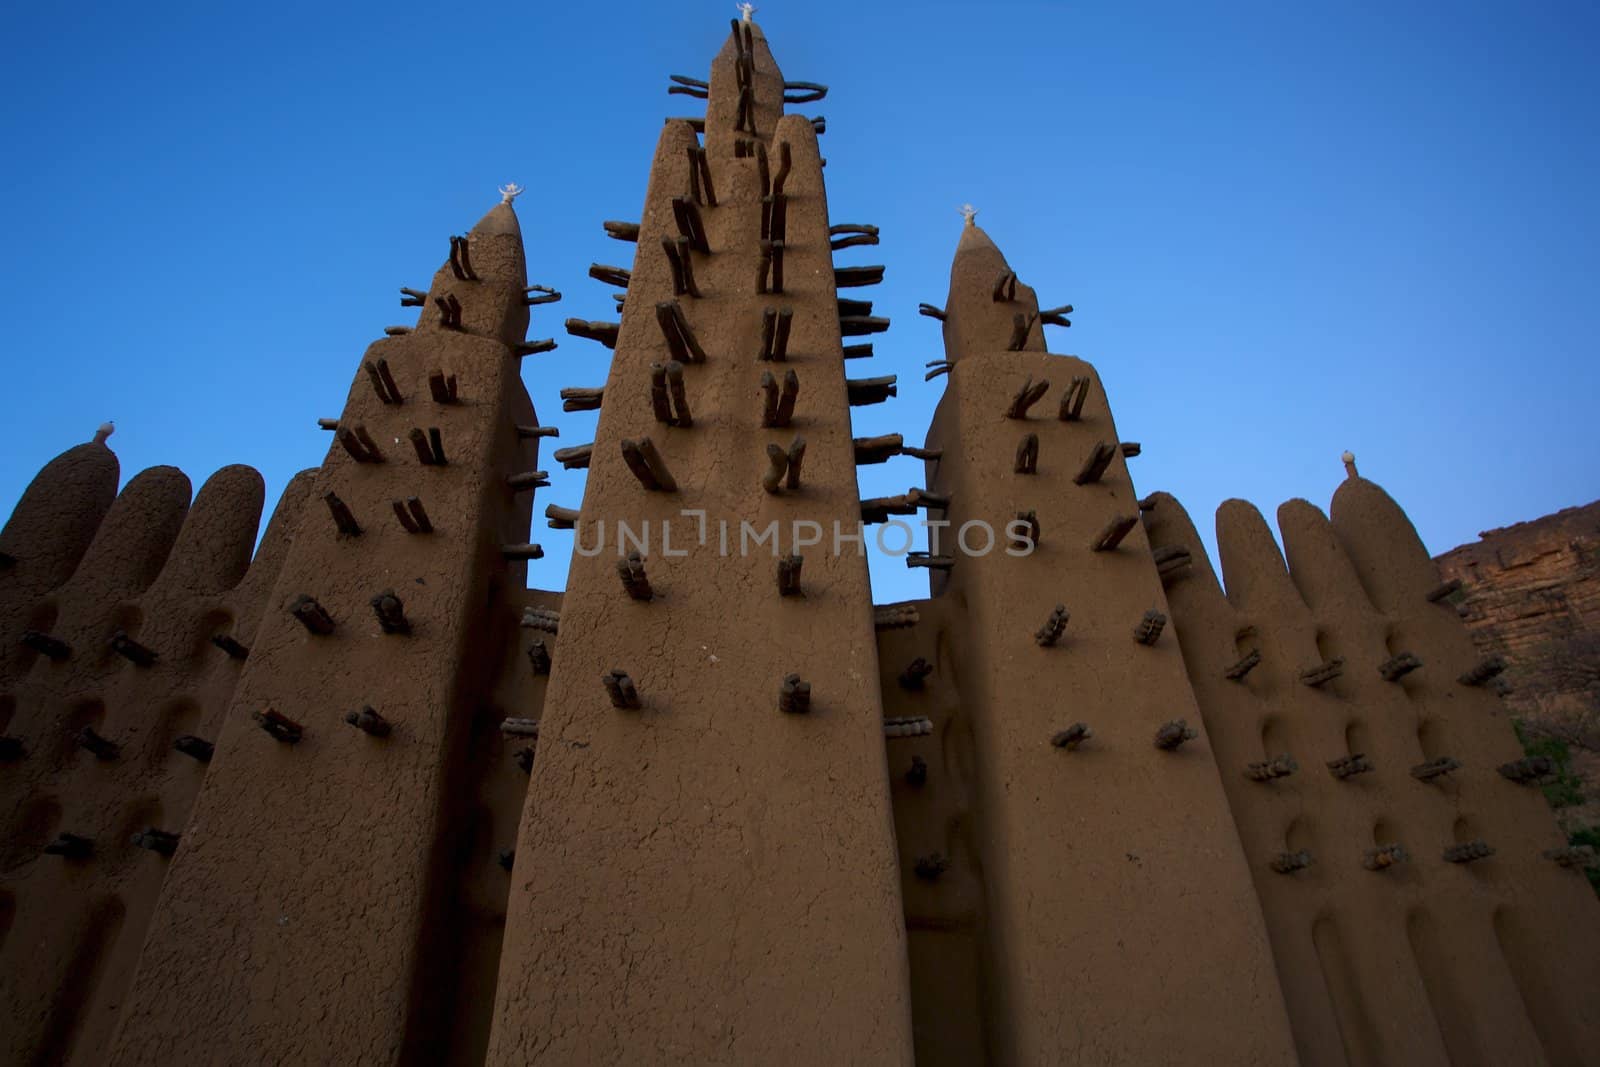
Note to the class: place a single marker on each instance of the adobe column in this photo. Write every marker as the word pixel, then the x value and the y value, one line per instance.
pixel 701 875
pixel 295 911
pixel 1123 921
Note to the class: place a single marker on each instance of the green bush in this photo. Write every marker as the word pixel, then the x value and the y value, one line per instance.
pixel 1589 836
pixel 1564 789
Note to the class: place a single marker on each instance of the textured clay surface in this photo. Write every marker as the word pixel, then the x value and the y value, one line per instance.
pixel 365 799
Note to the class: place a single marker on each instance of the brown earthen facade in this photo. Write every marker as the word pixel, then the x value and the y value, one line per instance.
pixel 366 798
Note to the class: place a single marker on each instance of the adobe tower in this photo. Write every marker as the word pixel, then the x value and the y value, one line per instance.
pixel 368 798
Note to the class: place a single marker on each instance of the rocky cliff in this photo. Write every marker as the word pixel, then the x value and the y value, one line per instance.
pixel 1531 594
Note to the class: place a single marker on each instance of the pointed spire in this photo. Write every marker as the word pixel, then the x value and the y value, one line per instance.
pixel 494 246
pixel 988 310
pixel 499 221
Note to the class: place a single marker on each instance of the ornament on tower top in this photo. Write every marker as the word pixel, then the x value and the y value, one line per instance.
pixel 106 429
pixel 746 10
pixel 510 192
pixel 969 213
pixel 1350 465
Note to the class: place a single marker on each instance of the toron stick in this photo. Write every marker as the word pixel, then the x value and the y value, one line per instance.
pixel 378 385
pixel 687 263
pixel 1029 519
pixel 789 575
pixel 772 481
pixel 1148 632
pixel 860 325
pixel 442 389
pixel 794 695
pixel 1056 316
pixel 1072 400
pixel 669 248
pixel 621 689
pixel 658 468
pixel 1247 663
pixel 786 400
pixel 312 615
pixel 634 582
pixel 1095 466
pixel 369 722
pixel 526 480
pixel 877 449
pixel 1021 327
pixel 1323 672
pixel 680 401
pixel 280 728
pixel 1027 459
pixel 1072 737
pixel 1280 766
pixel 700 164
pixel 342 517
pixel 407 523
pixel 1054 626
pixel 1435 768
pixel 604 332
pixel 419 515
pixel 856 277
pixel 797 454
pixel 1173 734
pixel 769 325
pixel 391 613
pixel 660 404
pixel 617 276
pixel 852 240
pixel 1005 287
pixel 769 406
pixel 679 336
pixel 576 399
pixel 232 648
pixel 780 342
pixel 449 311
pixel 1025 397
pixel 1114 531
pixel 863 391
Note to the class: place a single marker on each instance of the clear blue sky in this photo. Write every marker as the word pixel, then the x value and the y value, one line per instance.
pixel 1289 229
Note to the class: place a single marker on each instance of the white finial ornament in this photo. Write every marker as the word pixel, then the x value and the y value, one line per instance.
pixel 745 10
pixel 510 192
pixel 106 429
pixel 1349 459
pixel 969 213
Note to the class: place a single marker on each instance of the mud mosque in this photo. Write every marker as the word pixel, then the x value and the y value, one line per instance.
pixel 362 796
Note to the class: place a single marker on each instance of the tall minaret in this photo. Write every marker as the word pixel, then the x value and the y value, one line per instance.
pixel 702 876
pixel 1121 921
pixel 295 922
